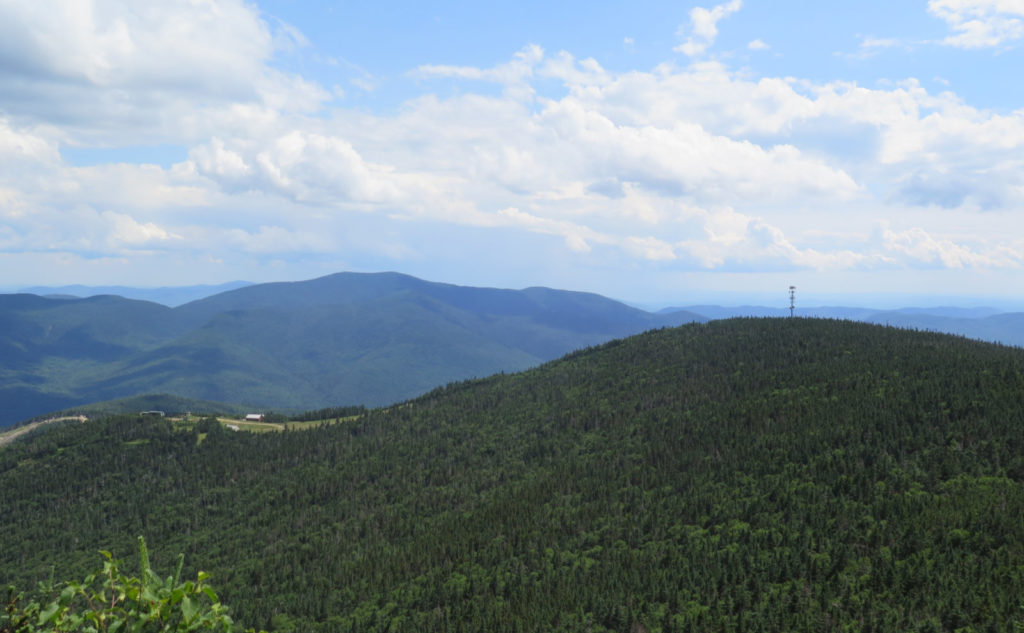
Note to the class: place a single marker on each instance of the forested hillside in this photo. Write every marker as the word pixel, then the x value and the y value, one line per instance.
pixel 741 475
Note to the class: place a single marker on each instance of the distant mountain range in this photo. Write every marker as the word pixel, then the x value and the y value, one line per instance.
pixel 984 324
pixel 172 296
pixel 343 339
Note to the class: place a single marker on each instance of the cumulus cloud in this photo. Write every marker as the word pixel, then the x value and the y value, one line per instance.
pixel 980 23
pixel 18 146
pixel 917 137
pixel 114 68
pixel 695 167
pixel 577 238
pixel 703 28
pixel 740 242
pixel 305 167
pixel 685 159
pixel 920 246
pixel 86 230
pixel 127 231
pixel 582 144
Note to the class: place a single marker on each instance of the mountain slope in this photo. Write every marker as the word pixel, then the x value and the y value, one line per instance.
pixel 363 288
pixel 171 296
pixel 342 339
pixel 767 474
pixel 52 351
pixel 1006 328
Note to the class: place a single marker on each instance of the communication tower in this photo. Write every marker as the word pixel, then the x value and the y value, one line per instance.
pixel 792 299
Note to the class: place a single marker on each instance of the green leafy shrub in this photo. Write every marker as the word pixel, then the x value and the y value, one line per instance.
pixel 108 601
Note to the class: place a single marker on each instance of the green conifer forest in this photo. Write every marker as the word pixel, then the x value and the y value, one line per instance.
pixel 741 475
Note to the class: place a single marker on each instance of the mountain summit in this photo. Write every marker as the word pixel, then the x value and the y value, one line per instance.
pixel 347 338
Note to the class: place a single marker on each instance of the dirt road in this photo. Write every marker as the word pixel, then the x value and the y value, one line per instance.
pixel 9 436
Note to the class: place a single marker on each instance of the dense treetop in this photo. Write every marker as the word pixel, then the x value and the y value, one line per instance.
pixel 741 475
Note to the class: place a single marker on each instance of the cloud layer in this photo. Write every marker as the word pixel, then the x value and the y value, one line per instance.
pixel 980 23
pixel 693 165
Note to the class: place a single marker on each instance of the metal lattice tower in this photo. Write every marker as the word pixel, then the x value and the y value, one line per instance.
pixel 792 299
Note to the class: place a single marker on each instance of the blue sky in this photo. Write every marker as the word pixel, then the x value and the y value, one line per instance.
pixel 661 153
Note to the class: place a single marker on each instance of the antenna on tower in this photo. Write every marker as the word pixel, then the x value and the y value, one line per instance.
pixel 792 299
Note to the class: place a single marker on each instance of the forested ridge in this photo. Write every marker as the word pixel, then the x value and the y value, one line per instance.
pixel 740 475
pixel 343 339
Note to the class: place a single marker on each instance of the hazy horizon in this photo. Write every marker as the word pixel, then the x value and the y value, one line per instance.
pixel 778 300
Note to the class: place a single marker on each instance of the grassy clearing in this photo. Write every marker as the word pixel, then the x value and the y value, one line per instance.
pixel 254 427
pixel 260 427
pixel 312 424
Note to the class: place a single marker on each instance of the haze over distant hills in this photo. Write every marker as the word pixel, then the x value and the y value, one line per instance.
pixel 981 323
pixel 348 338
pixel 171 296
pixel 343 339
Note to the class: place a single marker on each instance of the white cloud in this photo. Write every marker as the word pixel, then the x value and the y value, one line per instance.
pixel 915 135
pixel 918 245
pixel 11 204
pixel 581 140
pixel 870 46
pixel 695 167
pixel 687 160
pixel 307 167
pixel 215 160
pixel 126 231
pixel 136 187
pixel 20 146
pixel 514 75
pixel 758 45
pixel 519 68
pixel 116 71
pixel 703 27
pixel 738 242
pixel 577 238
pixel 980 23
